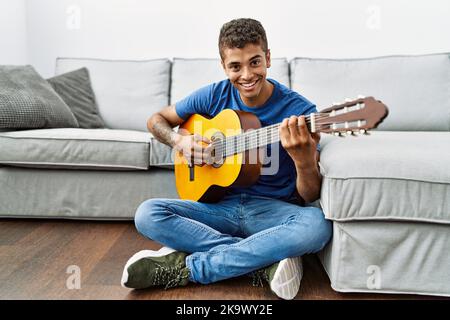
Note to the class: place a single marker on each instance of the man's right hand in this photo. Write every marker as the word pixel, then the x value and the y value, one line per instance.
pixel 195 148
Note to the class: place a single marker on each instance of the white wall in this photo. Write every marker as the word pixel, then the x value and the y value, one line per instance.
pixel 139 29
pixel 13 44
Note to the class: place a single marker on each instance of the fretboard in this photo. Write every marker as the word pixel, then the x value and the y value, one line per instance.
pixel 253 139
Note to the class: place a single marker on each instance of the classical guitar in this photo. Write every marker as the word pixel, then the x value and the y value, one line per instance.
pixel 236 135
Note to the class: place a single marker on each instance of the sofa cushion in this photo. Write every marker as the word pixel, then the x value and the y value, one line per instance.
pixel 28 101
pixel 80 194
pixel 390 257
pixel 189 75
pixel 416 89
pixel 99 149
pixel 387 175
pixel 127 92
pixel 75 89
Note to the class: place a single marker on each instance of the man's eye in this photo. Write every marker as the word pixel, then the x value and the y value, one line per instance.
pixel 256 62
pixel 235 68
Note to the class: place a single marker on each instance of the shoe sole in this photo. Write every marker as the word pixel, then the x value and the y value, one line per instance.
pixel 286 280
pixel 141 255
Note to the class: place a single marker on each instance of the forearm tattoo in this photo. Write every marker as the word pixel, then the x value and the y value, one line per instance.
pixel 163 132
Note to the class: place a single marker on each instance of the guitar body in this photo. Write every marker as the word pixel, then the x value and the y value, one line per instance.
pixel 208 183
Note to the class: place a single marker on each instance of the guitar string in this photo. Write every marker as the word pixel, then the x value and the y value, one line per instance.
pixel 244 146
pixel 245 140
pixel 273 136
pixel 269 128
pixel 249 140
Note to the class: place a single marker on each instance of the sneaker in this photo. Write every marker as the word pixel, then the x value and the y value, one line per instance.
pixel 165 267
pixel 284 277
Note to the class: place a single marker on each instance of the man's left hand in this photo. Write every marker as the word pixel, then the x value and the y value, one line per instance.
pixel 299 143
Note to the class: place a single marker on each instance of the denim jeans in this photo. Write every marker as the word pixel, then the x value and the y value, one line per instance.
pixel 235 236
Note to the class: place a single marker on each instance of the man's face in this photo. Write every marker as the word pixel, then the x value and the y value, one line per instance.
pixel 247 69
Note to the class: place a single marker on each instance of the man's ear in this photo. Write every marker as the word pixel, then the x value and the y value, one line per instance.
pixel 268 62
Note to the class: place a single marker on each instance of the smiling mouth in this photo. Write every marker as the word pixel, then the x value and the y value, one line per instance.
pixel 249 85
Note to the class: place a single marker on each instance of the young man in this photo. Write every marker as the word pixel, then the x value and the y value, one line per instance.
pixel 256 230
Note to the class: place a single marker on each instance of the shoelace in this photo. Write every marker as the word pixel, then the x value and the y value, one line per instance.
pixel 168 276
pixel 259 277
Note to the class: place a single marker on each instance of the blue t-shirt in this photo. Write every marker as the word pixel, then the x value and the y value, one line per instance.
pixel 278 175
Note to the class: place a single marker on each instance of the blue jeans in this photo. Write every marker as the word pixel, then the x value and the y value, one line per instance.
pixel 235 236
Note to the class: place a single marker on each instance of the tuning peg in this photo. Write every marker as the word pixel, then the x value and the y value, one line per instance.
pixel 363 131
pixel 353 133
pixel 338 134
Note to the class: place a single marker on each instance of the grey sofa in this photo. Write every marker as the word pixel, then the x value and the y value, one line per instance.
pixel 387 193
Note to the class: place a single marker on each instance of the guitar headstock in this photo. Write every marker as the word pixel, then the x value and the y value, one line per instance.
pixel 352 116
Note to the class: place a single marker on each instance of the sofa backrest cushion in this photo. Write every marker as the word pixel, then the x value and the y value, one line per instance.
pixel 189 75
pixel 416 89
pixel 127 92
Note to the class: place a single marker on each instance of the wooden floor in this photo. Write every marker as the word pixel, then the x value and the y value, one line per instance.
pixel 35 256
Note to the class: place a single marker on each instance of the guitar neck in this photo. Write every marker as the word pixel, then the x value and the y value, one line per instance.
pixel 257 138
pixel 349 117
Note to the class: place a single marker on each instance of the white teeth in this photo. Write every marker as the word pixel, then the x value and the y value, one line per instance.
pixel 248 85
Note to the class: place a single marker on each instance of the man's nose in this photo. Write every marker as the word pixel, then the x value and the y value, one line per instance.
pixel 246 74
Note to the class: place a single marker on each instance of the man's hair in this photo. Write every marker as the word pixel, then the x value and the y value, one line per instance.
pixel 239 32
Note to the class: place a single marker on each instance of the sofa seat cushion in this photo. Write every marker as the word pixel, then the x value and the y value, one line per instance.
pixel 70 148
pixel 80 194
pixel 387 175
pixel 389 256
